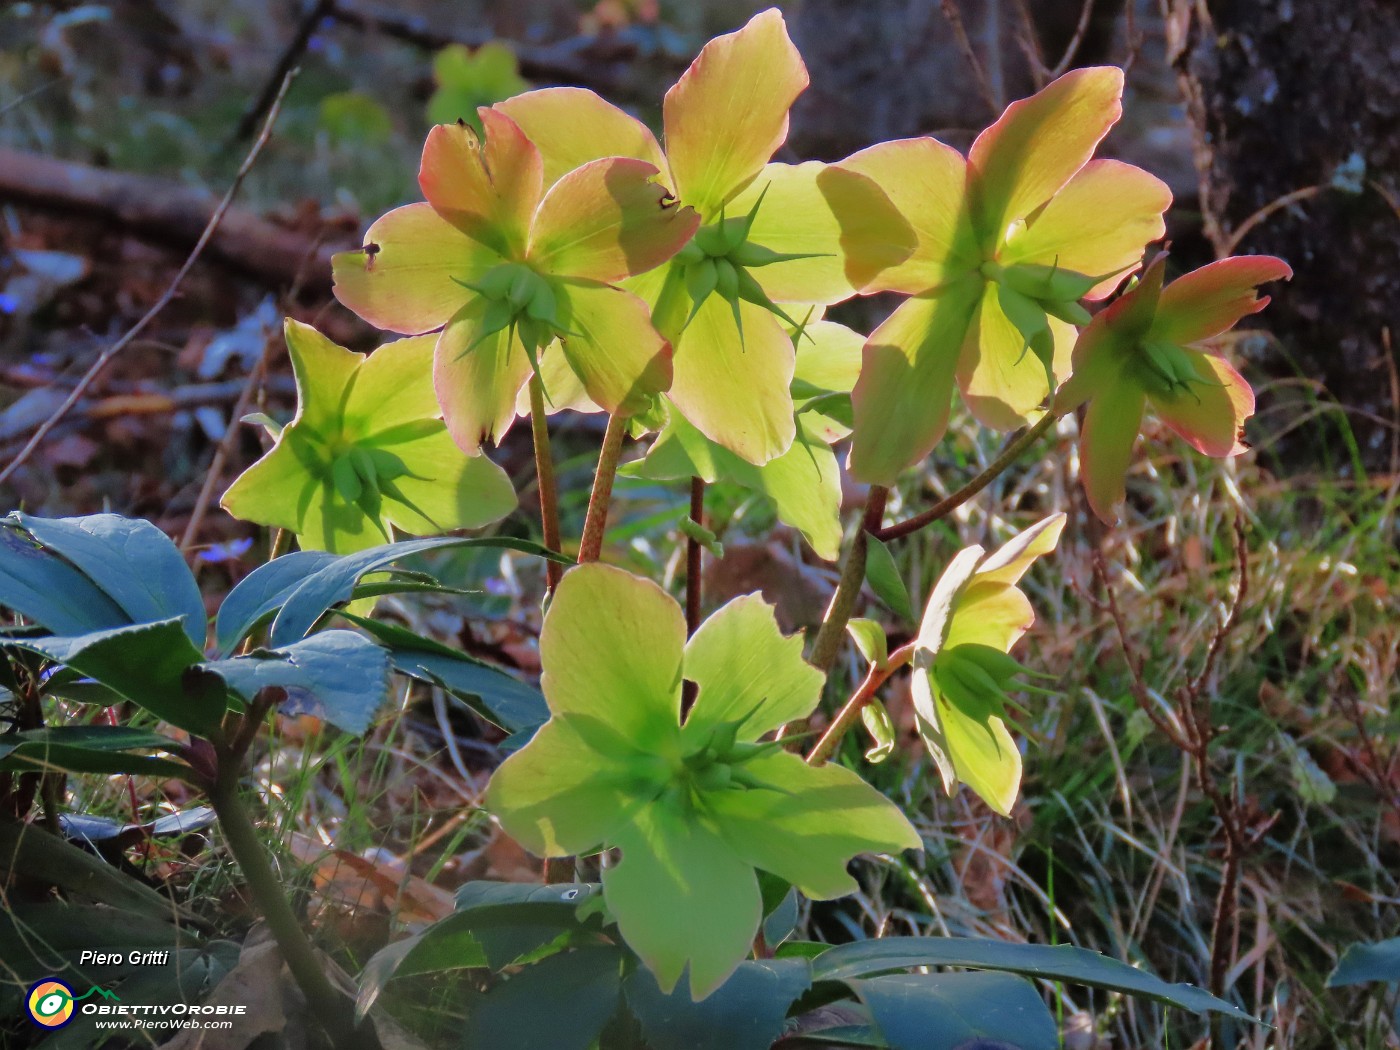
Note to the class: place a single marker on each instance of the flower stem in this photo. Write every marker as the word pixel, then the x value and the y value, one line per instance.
pixel 944 507
pixel 596 523
pixel 332 1009
pixel 544 474
pixel 846 717
pixel 843 602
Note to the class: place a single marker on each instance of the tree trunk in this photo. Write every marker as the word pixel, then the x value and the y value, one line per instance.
pixel 1302 98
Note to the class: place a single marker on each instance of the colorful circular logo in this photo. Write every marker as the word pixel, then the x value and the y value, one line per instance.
pixel 51 1004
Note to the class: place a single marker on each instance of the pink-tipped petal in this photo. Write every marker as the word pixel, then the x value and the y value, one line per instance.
pixel 608 220
pixel 728 113
pixel 572 126
pixel 1210 415
pixel 403 279
pixel 1211 300
pixel 1100 222
pixel 1038 144
pixel 927 182
pixel 488 188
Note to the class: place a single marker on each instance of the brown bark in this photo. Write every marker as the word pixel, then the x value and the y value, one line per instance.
pixel 1286 95
pixel 168 213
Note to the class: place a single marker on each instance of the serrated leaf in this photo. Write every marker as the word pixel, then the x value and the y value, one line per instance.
pixel 1061 963
pixel 883 576
pixel 744 1013
pixel 262 592
pixel 131 560
pixel 90 749
pixel 335 582
pixel 914 1011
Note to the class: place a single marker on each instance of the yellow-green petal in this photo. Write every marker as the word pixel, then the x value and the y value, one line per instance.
pixel 1111 425
pixel 969 742
pixel 728 113
pixel 477 378
pixel 611 345
pixel 1002 380
pixel 446 490
pixel 572 126
pixel 1209 415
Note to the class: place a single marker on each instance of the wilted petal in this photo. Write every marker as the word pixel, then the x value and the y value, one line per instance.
pixel 488 189
pixel 1111 426
pixel 682 897
pixel 905 391
pixel 608 220
pixel 736 390
pixel 927 182
pixel 810 824
pixel 477 378
pixel 841 218
pixel 1037 145
pixel 405 279
pixel 1212 299
pixel 1209 415
pixel 572 126
pixel 1098 223
pixel 611 346
pixel 728 113
pixel 611 649
pixel 558 796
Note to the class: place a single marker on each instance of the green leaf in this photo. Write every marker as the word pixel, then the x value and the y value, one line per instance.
pixel 559 1003
pixel 262 592
pixel 44 588
pixel 135 563
pixel 146 663
pixel 885 580
pixel 744 1013
pixel 335 582
pixel 337 676
pixel 493 693
pixel 870 639
pixel 880 726
pixel 1364 963
pixel 1062 963
pixel 958 1009
pixel 90 749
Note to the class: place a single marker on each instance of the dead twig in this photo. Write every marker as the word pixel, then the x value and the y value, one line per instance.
pixel 106 357
pixel 953 13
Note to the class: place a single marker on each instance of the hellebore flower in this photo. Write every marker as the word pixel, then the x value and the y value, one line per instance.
pixel 1144 349
pixel 694 807
pixel 962 670
pixel 1010 239
pixel 773 233
pixel 804 483
pixel 366 453
pixel 508 266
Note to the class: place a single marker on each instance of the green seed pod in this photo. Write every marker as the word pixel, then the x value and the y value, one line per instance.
pixel 522 287
pixel 732 233
pixel 691 253
pixel 710 240
pixel 1068 311
pixel 700 280
pixel 714 777
pixel 543 306
pixel 1048 282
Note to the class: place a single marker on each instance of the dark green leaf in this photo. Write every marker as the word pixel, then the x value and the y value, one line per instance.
pixel 46 589
pixel 335 583
pixel 1063 963
pixel 560 1003
pixel 337 676
pixel 146 663
pixel 262 592
pixel 496 695
pixel 1364 963
pixel 915 1011
pixel 744 1013
pixel 885 580
pixel 131 560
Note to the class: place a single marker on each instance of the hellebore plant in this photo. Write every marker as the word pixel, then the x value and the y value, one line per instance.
pixel 963 670
pixel 1145 349
pixel 505 262
pixel 366 454
pixel 1009 240
pixel 772 233
pixel 696 804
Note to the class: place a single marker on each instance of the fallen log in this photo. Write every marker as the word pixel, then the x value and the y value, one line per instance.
pixel 169 213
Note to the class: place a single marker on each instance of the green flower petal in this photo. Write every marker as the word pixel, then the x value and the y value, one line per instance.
pixel 747 669
pixel 736 391
pixel 477 378
pixel 1002 380
pixel 968 741
pixel 558 796
pixel 322 370
pixel 405 279
pixel 612 347
pixel 277 490
pixel 809 826
pixel 611 649
pixel 392 387
pixel 1210 414
pixel 905 392
pixel 829 357
pixel 682 897
pixel 1111 426
pixel 447 489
